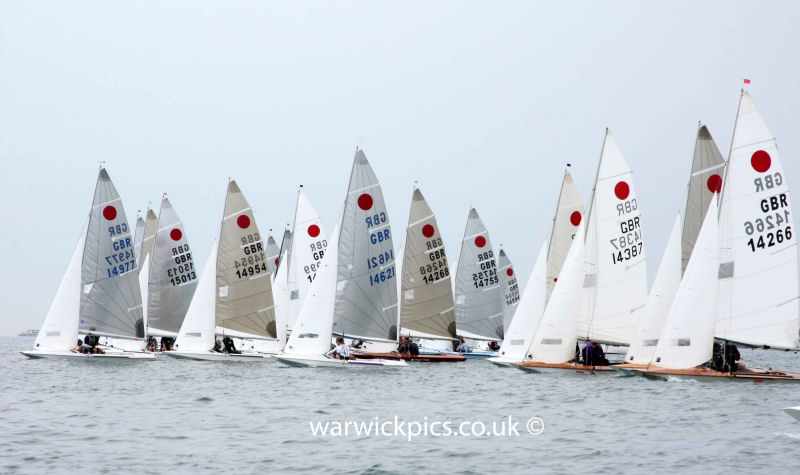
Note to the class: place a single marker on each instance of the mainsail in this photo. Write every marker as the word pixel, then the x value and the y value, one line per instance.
pixel 111 303
pixel 688 335
pixel 569 215
pixel 173 276
pixel 308 247
pixel 758 269
pixel 508 282
pixel 138 235
pixel 659 301
pixel 149 237
pixel 708 167
pixel 479 296
pixel 615 286
pixel 273 255
pixel 244 287
pixel 426 292
pixel 366 292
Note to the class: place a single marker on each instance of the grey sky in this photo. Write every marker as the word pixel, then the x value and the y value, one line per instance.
pixel 482 102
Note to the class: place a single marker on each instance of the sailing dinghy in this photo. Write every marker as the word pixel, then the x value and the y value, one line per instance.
pixel 755 284
pixel 99 292
pixel 478 293
pixel 567 218
pixel 426 294
pixel 234 295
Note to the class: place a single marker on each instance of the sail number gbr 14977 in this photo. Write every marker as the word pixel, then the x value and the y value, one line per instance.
pixel 629 244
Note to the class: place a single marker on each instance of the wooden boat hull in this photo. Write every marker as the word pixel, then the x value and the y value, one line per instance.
pixel 109 355
pixel 705 374
pixel 421 358
pixel 536 367
pixel 213 356
pixel 305 361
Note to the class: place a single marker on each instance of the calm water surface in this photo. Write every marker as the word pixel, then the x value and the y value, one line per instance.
pixel 172 416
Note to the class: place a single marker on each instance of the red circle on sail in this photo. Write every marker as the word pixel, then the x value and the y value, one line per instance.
pixel 109 212
pixel 761 161
pixel 555 279
pixel 510 272
pixel 575 218
pixel 276 261
pixel 365 201
pixel 714 183
pixel 480 241
pixel 176 234
pixel 243 221
pixel 313 230
pixel 427 230
pixel 622 190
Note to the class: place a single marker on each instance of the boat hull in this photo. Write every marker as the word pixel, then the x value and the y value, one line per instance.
pixel 480 355
pixel 420 358
pixel 793 411
pixel 213 356
pixel 110 355
pixel 504 362
pixel 322 361
pixel 579 369
pixel 705 374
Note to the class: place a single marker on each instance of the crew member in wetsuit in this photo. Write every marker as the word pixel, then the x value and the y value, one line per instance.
pixel 229 347
pixel 402 348
pixel 593 355
pixel 413 348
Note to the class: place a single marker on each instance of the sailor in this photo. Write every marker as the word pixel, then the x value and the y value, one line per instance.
pixel 217 345
pixel 341 351
pixel 92 341
pixel 593 354
pixel 494 346
pixel 462 347
pixel 413 348
pixel 229 346
pixel 402 348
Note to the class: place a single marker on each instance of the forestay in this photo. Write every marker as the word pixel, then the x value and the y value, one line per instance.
pixel 110 300
pixel 478 293
pixel 758 270
pixel 244 287
pixel 426 291
pixel 615 286
pixel 366 289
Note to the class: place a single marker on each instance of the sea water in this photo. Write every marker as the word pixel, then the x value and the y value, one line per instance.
pixel 178 416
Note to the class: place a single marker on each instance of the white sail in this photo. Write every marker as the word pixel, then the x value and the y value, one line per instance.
pixel 144 274
pixel 688 336
pixel 285 249
pixel 556 335
pixel 244 297
pixel 426 292
pixel 758 270
pixel 478 294
pixel 528 313
pixel 60 328
pixel 366 289
pixel 111 302
pixel 308 248
pixel 138 235
pixel 173 276
pixel 659 301
pixel 197 331
pixel 615 287
pixel 273 255
pixel 311 334
pixel 708 167
pixel 508 282
pixel 280 291
pixel 569 215
pixel 149 237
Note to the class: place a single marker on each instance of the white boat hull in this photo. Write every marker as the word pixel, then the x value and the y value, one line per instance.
pixel 322 361
pixel 214 356
pixel 109 355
